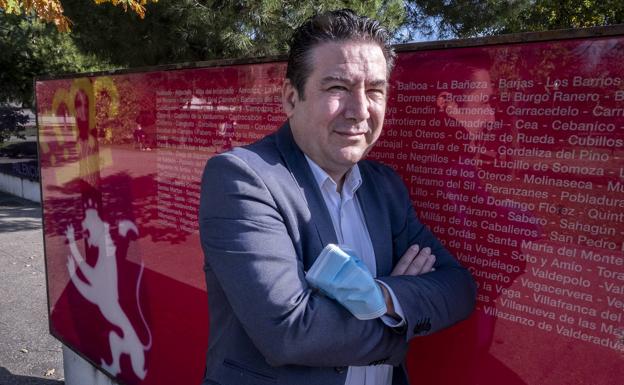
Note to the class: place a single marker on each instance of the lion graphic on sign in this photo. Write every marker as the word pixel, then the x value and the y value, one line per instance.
pixel 99 287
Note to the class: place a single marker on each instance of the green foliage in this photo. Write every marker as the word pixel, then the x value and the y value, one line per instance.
pixel 457 18
pixel 196 30
pixel 32 48
pixel 12 121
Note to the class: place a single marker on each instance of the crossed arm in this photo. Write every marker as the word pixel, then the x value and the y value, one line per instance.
pixel 250 252
pixel 433 301
pixel 415 261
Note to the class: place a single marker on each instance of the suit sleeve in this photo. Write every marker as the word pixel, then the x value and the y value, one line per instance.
pixel 435 300
pixel 247 245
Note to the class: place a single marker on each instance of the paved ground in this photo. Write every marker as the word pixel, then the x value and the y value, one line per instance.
pixel 28 354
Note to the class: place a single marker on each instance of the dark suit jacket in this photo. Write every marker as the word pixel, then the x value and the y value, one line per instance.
pixel 263 222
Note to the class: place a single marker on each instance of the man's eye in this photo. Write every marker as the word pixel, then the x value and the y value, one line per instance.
pixel 337 88
pixel 376 92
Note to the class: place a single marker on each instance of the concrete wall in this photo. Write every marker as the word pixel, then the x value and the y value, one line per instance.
pixel 20 187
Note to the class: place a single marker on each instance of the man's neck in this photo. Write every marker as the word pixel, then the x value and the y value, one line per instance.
pixel 338 177
pixel 339 180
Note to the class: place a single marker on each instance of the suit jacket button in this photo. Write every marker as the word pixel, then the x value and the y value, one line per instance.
pixel 340 369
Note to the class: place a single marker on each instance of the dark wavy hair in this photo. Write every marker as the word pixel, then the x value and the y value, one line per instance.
pixel 332 26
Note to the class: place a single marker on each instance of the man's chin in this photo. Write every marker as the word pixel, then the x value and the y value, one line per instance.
pixel 350 158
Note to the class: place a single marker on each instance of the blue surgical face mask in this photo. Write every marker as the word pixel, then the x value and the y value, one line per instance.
pixel 341 275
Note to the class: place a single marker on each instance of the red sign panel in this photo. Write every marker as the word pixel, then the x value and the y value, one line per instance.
pixel 513 155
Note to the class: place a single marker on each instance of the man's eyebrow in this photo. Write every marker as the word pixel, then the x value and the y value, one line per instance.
pixel 331 79
pixel 340 79
pixel 378 83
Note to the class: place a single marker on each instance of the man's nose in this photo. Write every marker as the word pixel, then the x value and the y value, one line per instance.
pixel 357 106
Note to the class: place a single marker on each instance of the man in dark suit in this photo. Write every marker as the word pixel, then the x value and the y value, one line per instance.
pixel 268 209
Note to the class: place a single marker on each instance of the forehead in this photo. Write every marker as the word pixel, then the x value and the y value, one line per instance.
pixel 353 59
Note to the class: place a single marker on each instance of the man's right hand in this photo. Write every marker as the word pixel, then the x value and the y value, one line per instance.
pixel 415 261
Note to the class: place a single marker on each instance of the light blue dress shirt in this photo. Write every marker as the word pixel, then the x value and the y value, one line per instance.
pixel 351 231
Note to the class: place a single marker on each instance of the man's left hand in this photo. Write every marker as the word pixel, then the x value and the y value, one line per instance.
pixel 415 261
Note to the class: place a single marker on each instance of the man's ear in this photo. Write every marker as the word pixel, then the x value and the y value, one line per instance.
pixel 290 97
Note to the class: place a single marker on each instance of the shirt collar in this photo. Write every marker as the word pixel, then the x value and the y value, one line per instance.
pixel 352 182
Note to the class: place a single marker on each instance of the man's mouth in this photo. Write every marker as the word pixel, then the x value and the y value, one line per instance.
pixel 352 134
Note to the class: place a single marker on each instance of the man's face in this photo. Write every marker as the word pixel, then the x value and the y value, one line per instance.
pixel 341 115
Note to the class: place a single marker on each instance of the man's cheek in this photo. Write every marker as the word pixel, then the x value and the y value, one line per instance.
pixel 333 106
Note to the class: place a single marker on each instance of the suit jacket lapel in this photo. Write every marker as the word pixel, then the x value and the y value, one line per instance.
pixel 377 221
pixel 299 168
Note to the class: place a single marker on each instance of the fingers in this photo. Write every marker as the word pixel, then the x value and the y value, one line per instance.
pixel 428 267
pixel 415 261
pixel 423 263
pixel 406 260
